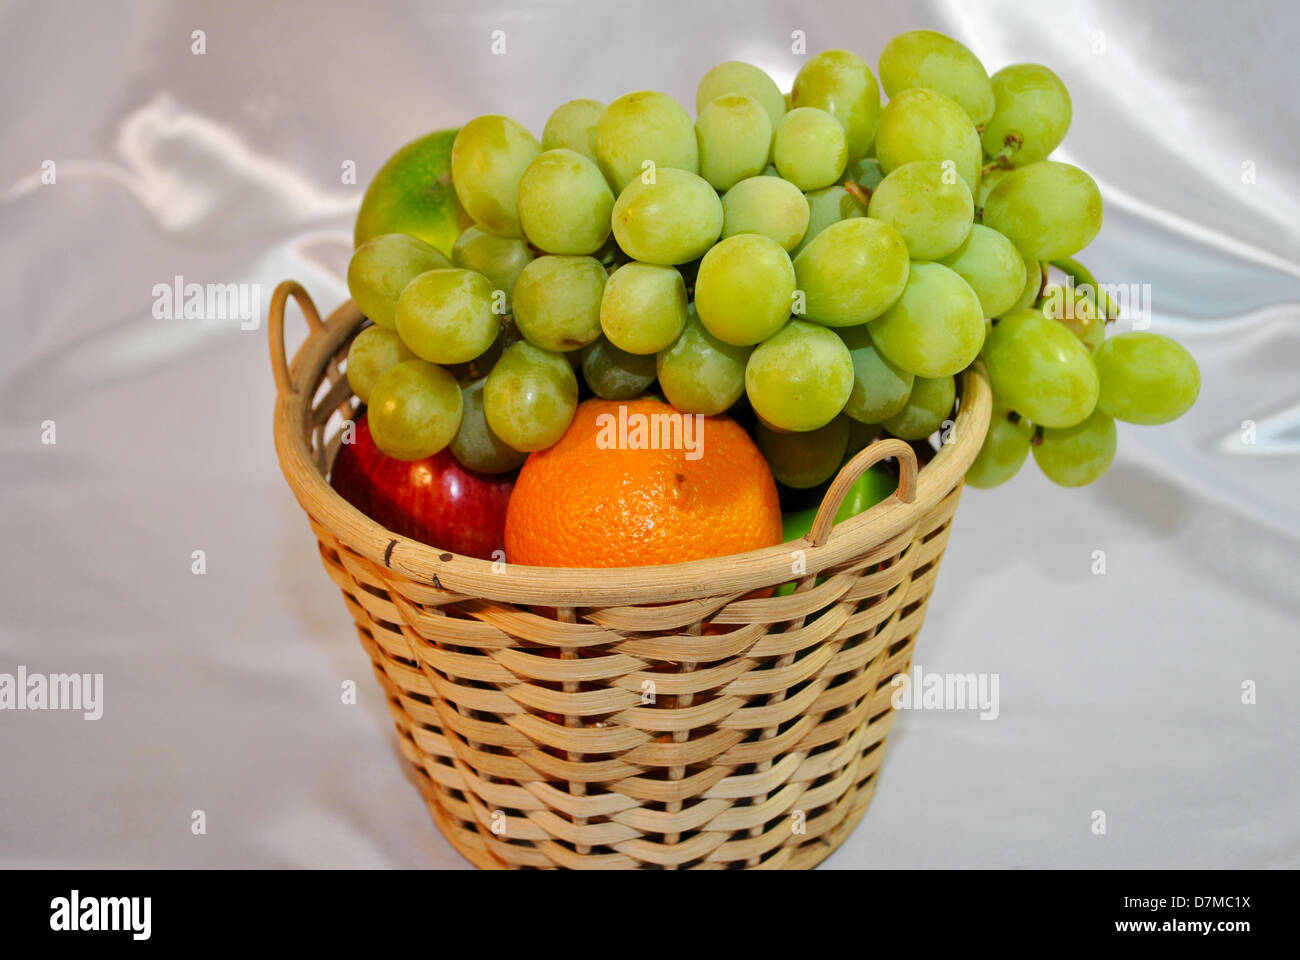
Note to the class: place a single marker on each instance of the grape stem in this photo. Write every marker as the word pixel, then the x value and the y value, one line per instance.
pixel 1002 161
pixel 997 163
pixel 1084 280
pixel 858 192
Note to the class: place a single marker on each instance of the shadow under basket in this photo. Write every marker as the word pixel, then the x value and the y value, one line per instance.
pixel 649 717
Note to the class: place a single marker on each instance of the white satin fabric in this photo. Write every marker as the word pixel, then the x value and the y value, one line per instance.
pixel 1120 693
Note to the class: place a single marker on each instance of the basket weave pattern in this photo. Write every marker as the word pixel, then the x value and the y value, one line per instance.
pixel 583 719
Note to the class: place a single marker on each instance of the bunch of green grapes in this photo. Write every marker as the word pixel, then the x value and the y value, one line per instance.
pixel 829 259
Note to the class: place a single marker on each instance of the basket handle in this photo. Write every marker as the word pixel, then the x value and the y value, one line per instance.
pixel 851 471
pixel 275 329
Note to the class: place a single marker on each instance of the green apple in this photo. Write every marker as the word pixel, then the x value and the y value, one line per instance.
pixel 868 490
pixel 412 193
pixel 874 485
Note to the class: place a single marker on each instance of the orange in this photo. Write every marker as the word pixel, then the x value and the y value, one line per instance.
pixel 633 483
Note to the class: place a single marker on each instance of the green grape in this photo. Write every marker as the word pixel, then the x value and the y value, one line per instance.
pixel 989 180
pixel 374 351
pixel 478 368
pixel 924 58
pixel 1077 312
pixel 475 445
pixel 530 396
pixel 557 302
pixel 615 374
pixel 800 378
pixel 488 157
pixel 770 170
pixel 644 128
pixel 700 373
pixel 851 272
pixel 860 436
pixel 930 207
pixel 744 289
pixel 1006 446
pixel 675 219
pixel 810 150
pixel 735 138
pixel 1033 109
pixel 611 255
pixel 928 406
pixel 565 203
pixel 992 266
pixel 1049 210
pixel 500 259
pixel 841 84
pixel 880 389
pixel 1146 378
pixel 381 268
pixel 1033 283
pixel 746 80
pixel 415 410
pixel 446 316
pixel 1078 455
pixel 920 124
pixel 768 206
pixel 804 459
pixel 865 172
pixel 936 328
pixel 828 206
pixel 572 126
pixel 643 308
pixel 1040 369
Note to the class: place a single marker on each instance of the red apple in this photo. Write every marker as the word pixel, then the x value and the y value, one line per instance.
pixel 435 500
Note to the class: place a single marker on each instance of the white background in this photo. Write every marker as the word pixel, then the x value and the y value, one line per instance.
pixel 1120 693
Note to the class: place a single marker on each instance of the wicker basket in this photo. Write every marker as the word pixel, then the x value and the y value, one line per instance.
pixel 649 717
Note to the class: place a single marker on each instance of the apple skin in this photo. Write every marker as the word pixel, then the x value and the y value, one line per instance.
pixel 435 500
pixel 412 193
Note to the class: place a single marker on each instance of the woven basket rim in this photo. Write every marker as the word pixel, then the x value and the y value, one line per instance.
pixel 580 586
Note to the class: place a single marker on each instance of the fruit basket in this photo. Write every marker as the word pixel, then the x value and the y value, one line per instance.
pixel 670 717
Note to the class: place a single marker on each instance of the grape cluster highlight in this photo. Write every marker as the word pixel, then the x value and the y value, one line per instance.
pixel 822 263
